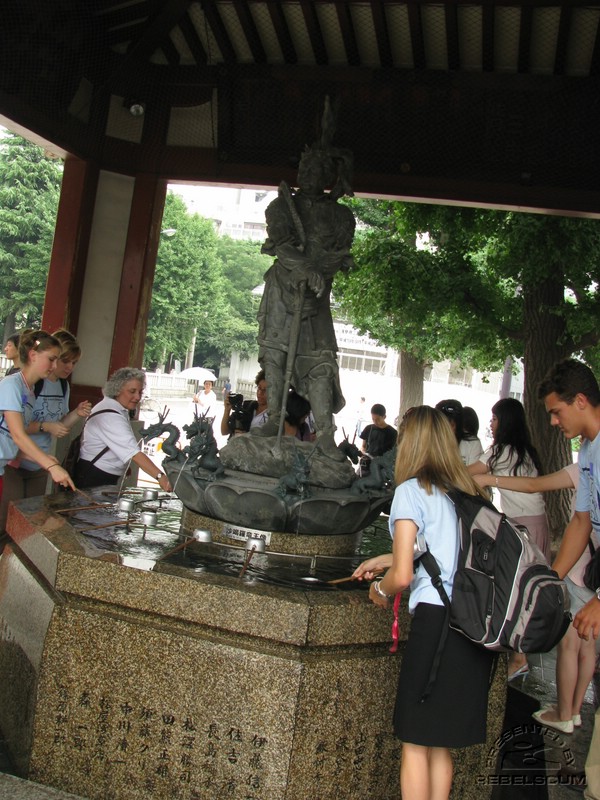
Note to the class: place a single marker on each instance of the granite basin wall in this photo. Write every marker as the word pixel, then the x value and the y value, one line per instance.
pixel 132 684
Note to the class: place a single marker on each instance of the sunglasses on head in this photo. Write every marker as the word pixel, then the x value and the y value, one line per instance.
pixel 449 410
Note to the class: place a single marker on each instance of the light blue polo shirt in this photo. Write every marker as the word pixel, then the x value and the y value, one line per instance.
pixel 588 491
pixel 436 519
pixel 51 405
pixel 15 395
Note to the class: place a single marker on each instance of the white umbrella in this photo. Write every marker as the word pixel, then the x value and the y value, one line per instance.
pixel 199 374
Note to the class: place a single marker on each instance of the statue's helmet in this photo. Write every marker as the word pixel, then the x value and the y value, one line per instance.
pixel 322 168
pixel 317 167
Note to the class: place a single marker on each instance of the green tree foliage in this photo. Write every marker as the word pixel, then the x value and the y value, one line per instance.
pixel 188 287
pixel 406 296
pixel 243 268
pixel 29 193
pixel 488 285
pixel 202 283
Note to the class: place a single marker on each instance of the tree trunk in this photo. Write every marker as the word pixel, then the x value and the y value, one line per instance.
pixel 506 378
pixel 412 373
pixel 9 326
pixel 544 331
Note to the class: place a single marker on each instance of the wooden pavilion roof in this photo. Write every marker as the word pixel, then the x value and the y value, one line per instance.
pixel 491 102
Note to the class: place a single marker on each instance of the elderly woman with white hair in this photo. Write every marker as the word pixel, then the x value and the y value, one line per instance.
pixel 108 443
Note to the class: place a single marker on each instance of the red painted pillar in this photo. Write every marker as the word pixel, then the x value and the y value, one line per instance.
pixel 70 246
pixel 139 262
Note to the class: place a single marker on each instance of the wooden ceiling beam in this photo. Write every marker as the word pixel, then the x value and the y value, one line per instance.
pixel 525 33
pixel 452 44
pixel 562 40
pixel 344 16
pixel 483 3
pixel 382 33
pixel 219 31
pixel 193 164
pixel 416 35
pixel 487 45
pixel 125 33
pixel 106 6
pixel 171 53
pixel 250 32
pixel 187 76
pixel 192 40
pixel 156 27
pixel 290 56
pixel 314 32
pixel 124 15
pixel 595 65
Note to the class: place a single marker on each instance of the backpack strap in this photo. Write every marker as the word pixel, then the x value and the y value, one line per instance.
pixel 102 411
pixel 432 568
pixel 39 385
pixel 95 414
pixel 100 454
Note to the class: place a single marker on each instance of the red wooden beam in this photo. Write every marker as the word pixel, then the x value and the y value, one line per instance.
pixel 139 262
pixel 70 247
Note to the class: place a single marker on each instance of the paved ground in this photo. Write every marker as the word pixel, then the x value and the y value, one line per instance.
pixel 557 749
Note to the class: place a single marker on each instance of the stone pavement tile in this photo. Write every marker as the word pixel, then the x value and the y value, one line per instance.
pixel 541 685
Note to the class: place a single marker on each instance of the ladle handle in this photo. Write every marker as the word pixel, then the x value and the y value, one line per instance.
pixel 176 549
pixel 247 561
pixel 99 527
pixel 343 580
pixel 75 509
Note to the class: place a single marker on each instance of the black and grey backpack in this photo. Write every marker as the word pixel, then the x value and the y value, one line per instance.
pixel 505 596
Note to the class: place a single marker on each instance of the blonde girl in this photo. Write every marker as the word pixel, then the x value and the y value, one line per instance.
pixel 428 464
pixel 51 418
pixel 38 352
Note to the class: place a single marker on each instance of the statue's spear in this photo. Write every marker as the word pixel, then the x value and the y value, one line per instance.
pixel 327 131
pixel 284 192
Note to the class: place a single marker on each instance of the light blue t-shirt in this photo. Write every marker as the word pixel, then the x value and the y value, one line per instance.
pixel 588 491
pixel 435 518
pixel 15 395
pixel 51 405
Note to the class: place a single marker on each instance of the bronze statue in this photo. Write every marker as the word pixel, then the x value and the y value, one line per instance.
pixel 310 235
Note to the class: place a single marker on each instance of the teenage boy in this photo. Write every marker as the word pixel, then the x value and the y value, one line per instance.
pixel 571 395
pixel 378 437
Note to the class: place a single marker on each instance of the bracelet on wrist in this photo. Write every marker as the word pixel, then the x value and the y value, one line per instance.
pixel 497 486
pixel 380 592
pixel 56 464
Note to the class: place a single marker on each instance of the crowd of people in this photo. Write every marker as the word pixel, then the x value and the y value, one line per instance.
pixel 428 464
pixel 35 409
pixel 438 449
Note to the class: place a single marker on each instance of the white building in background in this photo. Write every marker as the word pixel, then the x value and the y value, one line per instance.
pixel 238 213
pixel 367 369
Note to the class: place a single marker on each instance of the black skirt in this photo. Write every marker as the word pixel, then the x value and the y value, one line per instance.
pixel 454 715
